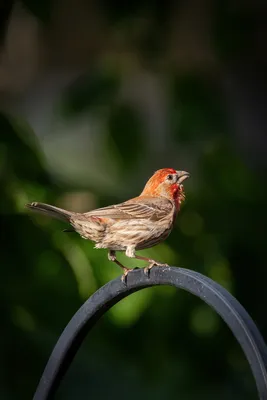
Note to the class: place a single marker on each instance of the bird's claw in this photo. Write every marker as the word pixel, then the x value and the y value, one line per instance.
pixel 125 275
pixel 147 269
pixel 151 265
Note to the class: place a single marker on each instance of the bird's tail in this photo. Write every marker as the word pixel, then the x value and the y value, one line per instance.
pixel 53 211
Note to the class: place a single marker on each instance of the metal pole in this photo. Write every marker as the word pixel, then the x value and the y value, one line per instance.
pixel 235 316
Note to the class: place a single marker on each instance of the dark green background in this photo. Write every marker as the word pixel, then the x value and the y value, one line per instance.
pixel 158 343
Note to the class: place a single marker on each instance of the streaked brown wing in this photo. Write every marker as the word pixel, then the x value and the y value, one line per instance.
pixel 143 207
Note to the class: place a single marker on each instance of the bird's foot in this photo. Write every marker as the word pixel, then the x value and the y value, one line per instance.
pixel 153 263
pixel 125 274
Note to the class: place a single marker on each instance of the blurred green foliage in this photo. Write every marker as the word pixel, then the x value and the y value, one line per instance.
pixel 158 343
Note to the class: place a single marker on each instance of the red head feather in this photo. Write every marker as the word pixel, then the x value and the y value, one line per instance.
pixel 159 185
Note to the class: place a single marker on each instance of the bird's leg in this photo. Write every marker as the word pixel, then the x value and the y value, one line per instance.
pixel 130 252
pixel 112 257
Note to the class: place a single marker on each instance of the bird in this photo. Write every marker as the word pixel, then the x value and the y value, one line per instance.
pixel 136 224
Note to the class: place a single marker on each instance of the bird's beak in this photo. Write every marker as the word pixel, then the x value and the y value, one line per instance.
pixel 182 175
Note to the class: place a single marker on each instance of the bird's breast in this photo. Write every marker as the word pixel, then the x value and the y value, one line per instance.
pixel 141 233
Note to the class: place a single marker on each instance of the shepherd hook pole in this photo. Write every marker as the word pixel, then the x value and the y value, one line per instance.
pixel 235 316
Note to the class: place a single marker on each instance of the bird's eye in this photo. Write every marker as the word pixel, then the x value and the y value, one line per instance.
pixel 169 177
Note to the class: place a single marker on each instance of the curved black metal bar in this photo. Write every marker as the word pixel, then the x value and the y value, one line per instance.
pixel 212 293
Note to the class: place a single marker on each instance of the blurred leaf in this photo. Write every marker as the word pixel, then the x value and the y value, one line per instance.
pixel 6 8
pixel 42 9
pixel 197 109
pixel 95 90
pixel 126 135
pixel 234 28
pixel 20 151
pixel 117 10
pixel 130 309
pixel 204 321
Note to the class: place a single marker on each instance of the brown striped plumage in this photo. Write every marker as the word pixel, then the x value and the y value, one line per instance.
pixel 136 224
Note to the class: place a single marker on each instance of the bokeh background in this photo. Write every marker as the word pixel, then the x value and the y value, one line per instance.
pixel 94 97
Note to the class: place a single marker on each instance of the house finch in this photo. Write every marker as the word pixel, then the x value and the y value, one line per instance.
pixel 136 224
